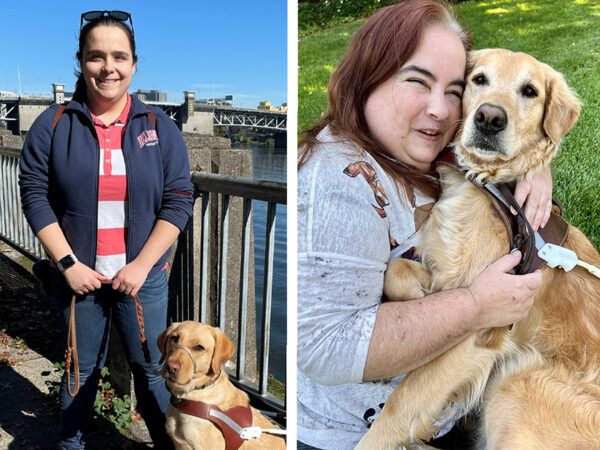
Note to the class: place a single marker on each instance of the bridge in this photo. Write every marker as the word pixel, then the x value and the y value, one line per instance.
pixel 17 113
pixel 230 116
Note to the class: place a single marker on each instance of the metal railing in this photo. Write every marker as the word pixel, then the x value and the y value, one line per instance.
pixel 190 305
pixel 225 189
pixel 14 229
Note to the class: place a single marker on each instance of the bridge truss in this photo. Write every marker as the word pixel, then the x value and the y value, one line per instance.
pixel 250 118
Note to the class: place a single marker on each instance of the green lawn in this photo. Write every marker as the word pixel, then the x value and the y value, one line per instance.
pixel 562 33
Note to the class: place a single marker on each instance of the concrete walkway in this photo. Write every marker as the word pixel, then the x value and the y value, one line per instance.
pixel 30 343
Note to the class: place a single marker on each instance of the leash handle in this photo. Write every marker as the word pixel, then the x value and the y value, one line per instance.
pixel 140 317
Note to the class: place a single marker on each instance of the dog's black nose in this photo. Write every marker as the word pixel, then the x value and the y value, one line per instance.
pixel 490 119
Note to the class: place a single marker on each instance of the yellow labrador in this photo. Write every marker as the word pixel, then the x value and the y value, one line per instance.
pixel 193 354
pixel 539 382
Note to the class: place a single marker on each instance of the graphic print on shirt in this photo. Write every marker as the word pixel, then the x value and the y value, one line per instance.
pixel 369 415
pixel 147 138
pixel 370 175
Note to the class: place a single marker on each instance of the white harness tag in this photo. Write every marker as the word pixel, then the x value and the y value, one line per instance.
pixel 557 256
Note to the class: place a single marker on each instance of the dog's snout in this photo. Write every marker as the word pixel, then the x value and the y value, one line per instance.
pixel 173 366
pixel 490 119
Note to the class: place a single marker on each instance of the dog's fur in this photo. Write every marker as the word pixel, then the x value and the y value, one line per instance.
pixel 539 383
pixel 210 349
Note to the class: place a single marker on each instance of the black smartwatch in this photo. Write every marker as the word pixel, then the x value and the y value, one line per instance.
pixel 66 262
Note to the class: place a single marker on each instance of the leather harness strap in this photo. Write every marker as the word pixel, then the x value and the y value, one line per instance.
pixel 519 230
pixel 71 351
pixel 241 415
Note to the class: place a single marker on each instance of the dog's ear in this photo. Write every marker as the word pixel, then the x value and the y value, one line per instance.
pixel 472 57
pixel 224 349
pixel 161 342
pixel 562 106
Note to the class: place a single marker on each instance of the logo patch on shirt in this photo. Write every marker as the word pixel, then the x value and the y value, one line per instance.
pixel 148 138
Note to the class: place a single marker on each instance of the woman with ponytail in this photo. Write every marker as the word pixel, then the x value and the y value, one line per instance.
pixel 105 186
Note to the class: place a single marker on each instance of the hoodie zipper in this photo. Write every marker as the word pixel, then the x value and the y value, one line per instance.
pixel 128 174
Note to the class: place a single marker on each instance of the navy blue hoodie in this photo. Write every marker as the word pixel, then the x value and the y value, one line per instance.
pixel 59 177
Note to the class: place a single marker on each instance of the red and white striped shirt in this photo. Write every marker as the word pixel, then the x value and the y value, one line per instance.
pixel 113 217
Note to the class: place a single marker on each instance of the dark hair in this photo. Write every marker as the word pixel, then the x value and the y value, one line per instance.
pixel 80 93
pixel 377 51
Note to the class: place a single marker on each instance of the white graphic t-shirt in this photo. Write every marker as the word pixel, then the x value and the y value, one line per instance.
pixel 352 219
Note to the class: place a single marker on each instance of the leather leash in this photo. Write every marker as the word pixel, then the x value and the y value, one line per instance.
pixel 71 351
pixel 521 235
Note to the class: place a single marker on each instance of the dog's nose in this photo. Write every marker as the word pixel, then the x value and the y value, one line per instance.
pixel 173 366
pixel 490 119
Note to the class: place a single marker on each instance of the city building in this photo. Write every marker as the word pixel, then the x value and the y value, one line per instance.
pixel 150 96
pixel 224 101
pixel 266 106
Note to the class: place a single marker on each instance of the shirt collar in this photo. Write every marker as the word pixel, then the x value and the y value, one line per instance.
pixel 122 119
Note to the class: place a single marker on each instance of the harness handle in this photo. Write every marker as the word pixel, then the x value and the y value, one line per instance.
pixel 523 267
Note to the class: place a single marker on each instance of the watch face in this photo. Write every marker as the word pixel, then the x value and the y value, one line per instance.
pixel 67 262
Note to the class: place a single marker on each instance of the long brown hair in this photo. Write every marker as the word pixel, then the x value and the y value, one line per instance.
pixel 378 50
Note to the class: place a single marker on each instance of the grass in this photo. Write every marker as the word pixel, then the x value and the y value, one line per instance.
pixel 562 33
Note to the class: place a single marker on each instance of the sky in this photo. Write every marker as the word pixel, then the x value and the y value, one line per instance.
pixel 214 48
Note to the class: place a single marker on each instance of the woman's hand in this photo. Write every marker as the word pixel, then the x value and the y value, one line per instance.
pixel 501 298
pixel 130 278
pixel 82 279
pixel 536 195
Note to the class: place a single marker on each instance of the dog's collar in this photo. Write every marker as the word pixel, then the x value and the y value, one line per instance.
pixel 230 422
pixel 519 229
pixel 209 384
pixel 204 386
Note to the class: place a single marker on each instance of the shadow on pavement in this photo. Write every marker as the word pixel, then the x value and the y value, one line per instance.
pixel 29 318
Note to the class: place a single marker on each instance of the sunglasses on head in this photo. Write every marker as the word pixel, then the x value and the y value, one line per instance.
pixel 121 16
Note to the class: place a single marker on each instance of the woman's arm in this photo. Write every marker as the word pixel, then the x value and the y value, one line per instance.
pixel 81 278
pixel 409 334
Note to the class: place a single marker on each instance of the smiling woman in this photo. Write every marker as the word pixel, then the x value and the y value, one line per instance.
pixel 108 61
pixel 365 187
pixel 107 205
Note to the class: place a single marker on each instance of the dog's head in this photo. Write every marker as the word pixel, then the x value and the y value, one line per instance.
pixel 515 112
pixel 193 353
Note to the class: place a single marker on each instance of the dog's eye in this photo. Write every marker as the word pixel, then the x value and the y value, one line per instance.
pixel 198 348
pixel 479 80
pixel 174 338
pixel 529 91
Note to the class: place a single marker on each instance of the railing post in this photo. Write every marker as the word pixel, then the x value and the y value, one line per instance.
pixel 243 305
pixel 267 297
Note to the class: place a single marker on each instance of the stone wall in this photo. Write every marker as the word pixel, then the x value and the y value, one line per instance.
pixel 7 139
pixel 200 122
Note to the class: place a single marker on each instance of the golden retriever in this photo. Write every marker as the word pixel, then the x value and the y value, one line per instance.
pixel 538 384
pixel 193 355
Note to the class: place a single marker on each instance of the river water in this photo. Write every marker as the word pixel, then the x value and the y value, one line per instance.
pixel 270 164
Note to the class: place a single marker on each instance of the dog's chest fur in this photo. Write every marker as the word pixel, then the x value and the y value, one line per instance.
pixel 463 234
